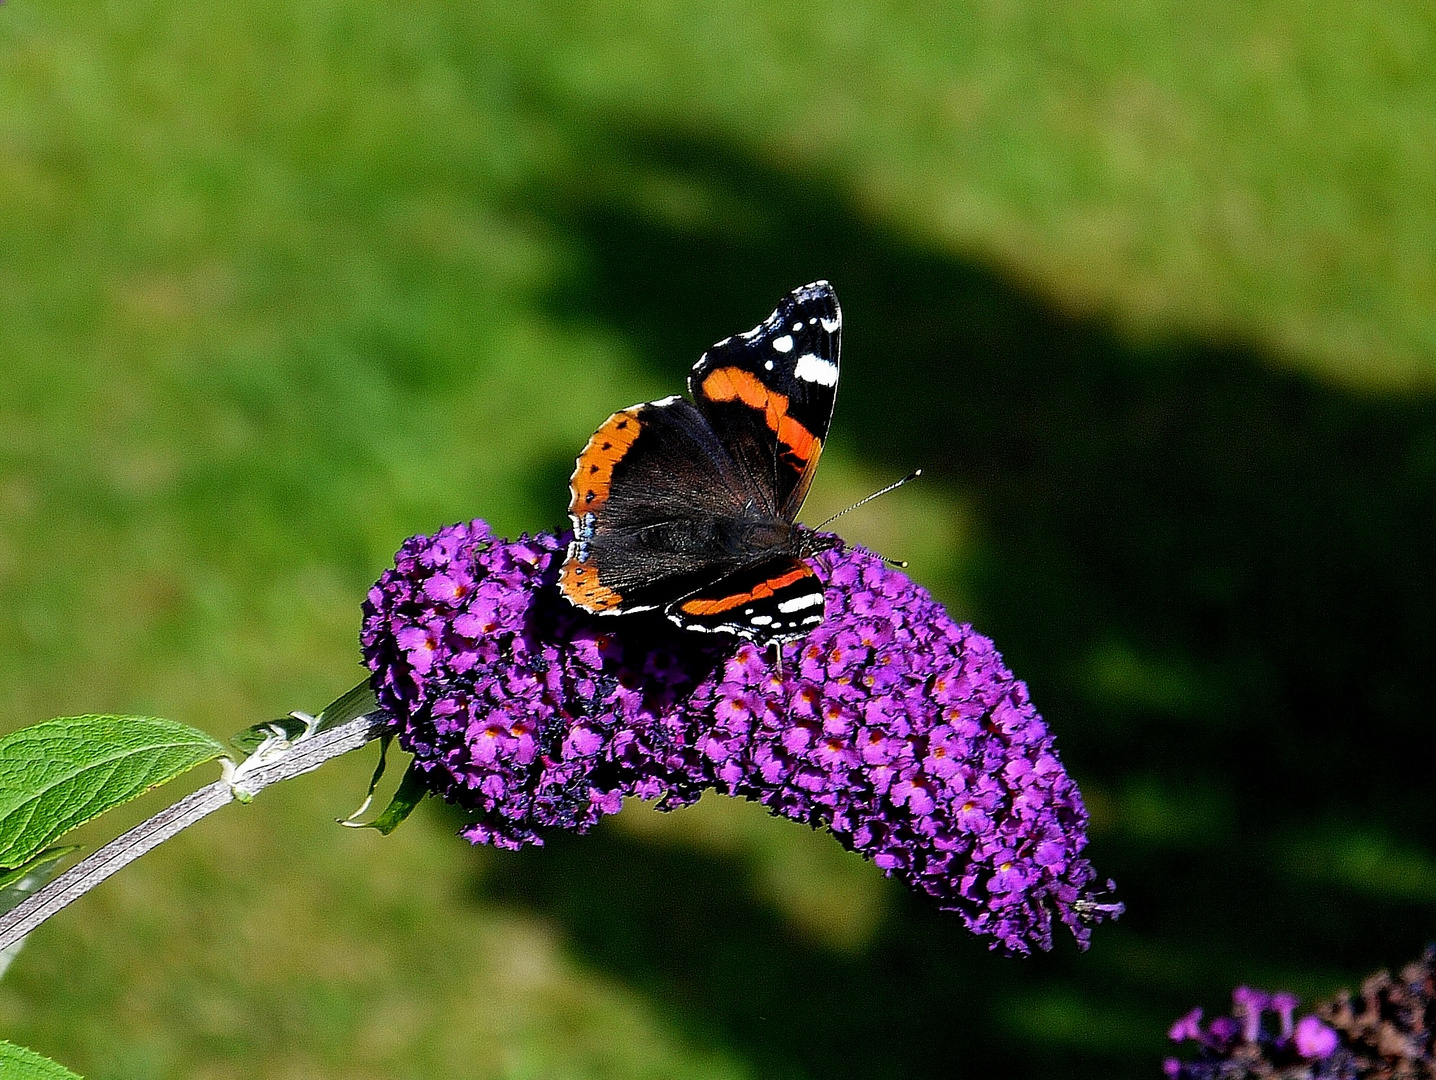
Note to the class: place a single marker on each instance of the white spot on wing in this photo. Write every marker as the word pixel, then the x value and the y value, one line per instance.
pixel 679 620
pixel 814 369
pixel 798 603
pixel 663 402
pixel 784 343
pixel 831 325
pixel 760 620
pixel 767 365
pixel 624 610
pixel 797 326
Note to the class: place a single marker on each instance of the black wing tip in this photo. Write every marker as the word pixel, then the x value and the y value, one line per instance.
pixel 818 295
pixel 821 289
pixel 817 298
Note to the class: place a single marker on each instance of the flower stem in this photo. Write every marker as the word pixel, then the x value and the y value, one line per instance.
pixel 303 756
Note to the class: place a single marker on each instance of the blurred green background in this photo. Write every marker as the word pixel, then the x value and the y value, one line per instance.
pixel 1149 287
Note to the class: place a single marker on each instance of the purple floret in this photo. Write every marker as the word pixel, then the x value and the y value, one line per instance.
pixel 1313 1039
pixel 1242 1047
pixel 1385 1032
pixel 892 726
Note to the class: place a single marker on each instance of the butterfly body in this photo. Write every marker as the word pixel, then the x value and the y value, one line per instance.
pixel 689 507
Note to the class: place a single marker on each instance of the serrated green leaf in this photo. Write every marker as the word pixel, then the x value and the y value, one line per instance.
pixel 58 775
pixel 17 1063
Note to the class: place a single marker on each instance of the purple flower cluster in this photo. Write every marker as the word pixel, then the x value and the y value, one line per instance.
pixel 1383 1033
pixel 1242 1045
pixel 891 725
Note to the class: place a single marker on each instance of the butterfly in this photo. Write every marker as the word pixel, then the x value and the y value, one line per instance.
pixel 689 507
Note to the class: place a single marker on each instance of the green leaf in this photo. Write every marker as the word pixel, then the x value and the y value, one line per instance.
pixel 60 774
pixel 17 1063
pixel 251 738
pixel 351 821
pixel 412 789
pixel 20 882
pixel 348 706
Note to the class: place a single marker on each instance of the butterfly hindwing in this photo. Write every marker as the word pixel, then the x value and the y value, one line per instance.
pixel 641 491
pixel 775 600
pixel 770 392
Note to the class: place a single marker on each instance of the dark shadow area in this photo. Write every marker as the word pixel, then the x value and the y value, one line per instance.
pixel 1218 577
pixel 684 929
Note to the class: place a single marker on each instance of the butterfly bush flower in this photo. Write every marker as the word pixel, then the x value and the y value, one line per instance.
pixel 890 725
pixel 1382 1033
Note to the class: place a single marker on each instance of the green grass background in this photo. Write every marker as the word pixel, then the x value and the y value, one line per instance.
pixel 1149 287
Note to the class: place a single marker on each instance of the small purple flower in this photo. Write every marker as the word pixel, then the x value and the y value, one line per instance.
pixel 1314 1039
pixel 1188 1027
pixel 1383 1033
pixel 1284 1004
pixel 1223 1031
pixel 891 725
pixel 1247 1006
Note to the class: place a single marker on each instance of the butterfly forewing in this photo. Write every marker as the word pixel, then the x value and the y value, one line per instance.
pixel 771 393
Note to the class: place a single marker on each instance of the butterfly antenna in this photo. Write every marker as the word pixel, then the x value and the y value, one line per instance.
pixel 863 502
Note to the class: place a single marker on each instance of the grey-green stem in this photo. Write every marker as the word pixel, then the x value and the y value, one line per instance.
pixel 301 756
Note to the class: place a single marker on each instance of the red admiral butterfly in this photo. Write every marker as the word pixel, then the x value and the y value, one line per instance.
pixel 689 507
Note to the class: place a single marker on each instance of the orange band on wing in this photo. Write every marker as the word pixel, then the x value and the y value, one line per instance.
pixel 579 582
pixel 735 384
pixel 728 603
pixel 593 473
